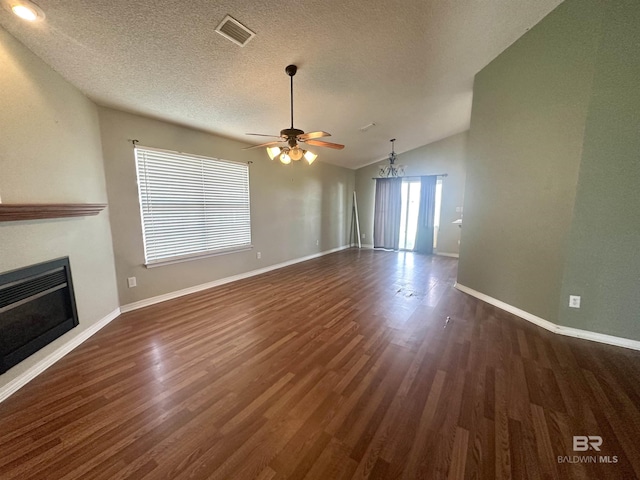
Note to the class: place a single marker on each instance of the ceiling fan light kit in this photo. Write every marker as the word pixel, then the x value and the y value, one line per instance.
pixel 291 136
pixel 286 154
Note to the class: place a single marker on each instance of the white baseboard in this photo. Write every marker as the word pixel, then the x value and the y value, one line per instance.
pixel 598 337
pixel 216 283
pixel 443 254
pixel 552 327
pixel 447 254
pixel 31 373
pixel 529 317
pixel 362 245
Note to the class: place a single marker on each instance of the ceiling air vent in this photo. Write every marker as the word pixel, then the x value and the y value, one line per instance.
pixel 233 30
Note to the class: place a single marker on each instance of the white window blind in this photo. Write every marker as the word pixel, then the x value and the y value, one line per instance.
pixel 191 205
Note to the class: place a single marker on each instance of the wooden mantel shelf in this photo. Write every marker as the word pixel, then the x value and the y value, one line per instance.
pixel 12 212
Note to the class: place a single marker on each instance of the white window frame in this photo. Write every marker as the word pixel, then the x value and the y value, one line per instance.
pixel 217 186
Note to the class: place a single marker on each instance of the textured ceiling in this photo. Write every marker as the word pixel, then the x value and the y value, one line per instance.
pixel 405 65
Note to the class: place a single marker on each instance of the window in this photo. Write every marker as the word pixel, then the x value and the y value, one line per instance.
pixel 191 206
pixel 410 206
pixel 436 216
pixel 410 210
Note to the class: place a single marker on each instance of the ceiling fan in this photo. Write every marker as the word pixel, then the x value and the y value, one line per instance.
pixel 293 136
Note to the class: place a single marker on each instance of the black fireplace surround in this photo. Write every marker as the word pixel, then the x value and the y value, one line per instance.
pixel 37 305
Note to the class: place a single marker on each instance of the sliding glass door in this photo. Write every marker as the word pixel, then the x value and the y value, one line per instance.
pixel 436 217
pixel 409 213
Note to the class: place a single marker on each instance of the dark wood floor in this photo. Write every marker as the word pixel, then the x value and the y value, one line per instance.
pixel 339 367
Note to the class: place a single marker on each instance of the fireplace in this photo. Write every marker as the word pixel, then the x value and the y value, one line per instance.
pixel 37 305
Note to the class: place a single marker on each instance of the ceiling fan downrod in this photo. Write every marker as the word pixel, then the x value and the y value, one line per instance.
pixel 291 71
pixel 291 133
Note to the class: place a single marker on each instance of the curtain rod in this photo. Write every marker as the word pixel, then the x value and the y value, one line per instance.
pixel 413 176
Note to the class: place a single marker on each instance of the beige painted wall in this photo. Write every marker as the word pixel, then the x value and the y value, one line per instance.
pixel 525 146
pixel 50 152
pixel 445 156
pixel 291 206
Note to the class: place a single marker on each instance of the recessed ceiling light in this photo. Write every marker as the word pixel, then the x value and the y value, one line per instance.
pixel 25 9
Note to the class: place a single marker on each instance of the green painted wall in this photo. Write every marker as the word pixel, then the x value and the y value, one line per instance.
pixel 603 259
pixel 551 203
pixel 525 145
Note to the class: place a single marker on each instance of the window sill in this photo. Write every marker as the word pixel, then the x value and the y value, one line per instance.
pixel 197 256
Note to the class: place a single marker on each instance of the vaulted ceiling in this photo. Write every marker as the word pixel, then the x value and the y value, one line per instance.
pixel 405 65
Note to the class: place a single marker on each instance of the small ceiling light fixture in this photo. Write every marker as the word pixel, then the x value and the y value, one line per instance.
pixel 25 9
pixel 392 170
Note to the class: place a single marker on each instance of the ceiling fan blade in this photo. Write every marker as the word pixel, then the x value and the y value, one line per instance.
pixel 268 144
pixel 310 135
pixel 322 143
pixel 263 135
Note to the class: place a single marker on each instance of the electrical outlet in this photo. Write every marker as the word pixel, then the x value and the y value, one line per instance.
pixel 458 209
pixel 258 255
pixel 317 242
pixel 574 301
pixel 364 235
pixel 131 281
